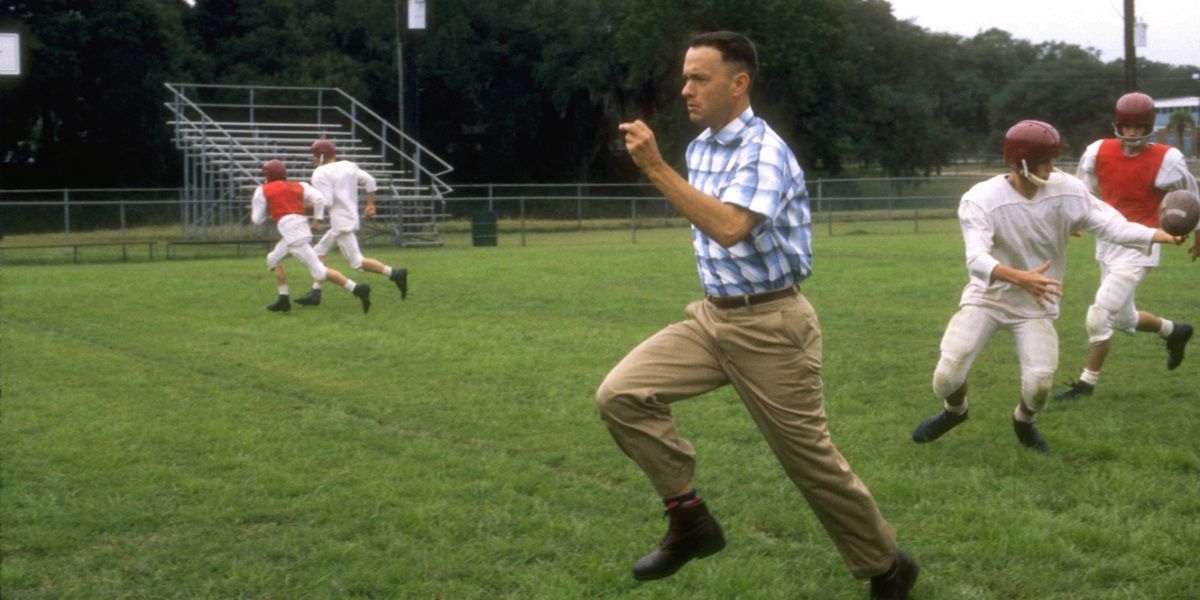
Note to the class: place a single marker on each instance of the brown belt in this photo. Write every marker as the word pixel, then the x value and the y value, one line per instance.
pixel 752 299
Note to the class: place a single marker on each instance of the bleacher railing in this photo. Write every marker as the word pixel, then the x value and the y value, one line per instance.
pixel 213 120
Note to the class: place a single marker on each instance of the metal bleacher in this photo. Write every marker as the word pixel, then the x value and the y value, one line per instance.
pixel 226 133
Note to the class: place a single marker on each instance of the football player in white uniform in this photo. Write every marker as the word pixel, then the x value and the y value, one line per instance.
pixel 284 202
pixel 1132 174
pixel 338 181
pixel 1015 228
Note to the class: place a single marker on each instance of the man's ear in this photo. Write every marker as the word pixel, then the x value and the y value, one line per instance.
pixel 741 83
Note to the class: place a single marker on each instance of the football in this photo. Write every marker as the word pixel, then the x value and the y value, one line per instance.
pixel 1179 213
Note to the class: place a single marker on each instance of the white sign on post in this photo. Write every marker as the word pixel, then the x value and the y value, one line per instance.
pixel 416 14
pixel 10 54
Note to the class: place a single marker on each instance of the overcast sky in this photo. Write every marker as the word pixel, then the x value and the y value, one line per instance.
pixel 1173 33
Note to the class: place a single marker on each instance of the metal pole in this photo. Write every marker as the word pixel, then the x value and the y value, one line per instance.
pixel 579 205
pixel 522 221
pixel 67 214
pixel 633 218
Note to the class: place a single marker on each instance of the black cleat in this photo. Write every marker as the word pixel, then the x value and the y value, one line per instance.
pixel 281 305
pixel 1078 389
pixel 934 427
pixel 895 583
pixel 312 298
pixel 692 533
pixel 1175 344
pixel 1029 436
pixel 362 291
pixel 400 277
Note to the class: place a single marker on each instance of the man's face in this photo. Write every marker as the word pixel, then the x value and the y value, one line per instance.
pixel 1133 130
pixel 708 87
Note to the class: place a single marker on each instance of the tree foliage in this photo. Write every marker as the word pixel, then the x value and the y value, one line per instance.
pixel 532 90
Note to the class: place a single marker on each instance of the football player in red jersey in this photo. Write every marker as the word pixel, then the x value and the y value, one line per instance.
pixel 1132 174
pixel 284 202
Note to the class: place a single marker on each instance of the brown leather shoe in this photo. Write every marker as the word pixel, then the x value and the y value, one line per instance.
pixel 895 583
pixel 692 533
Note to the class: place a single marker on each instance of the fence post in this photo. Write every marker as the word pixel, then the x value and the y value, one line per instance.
pixel 67 214
pixel 122 211
pixel 491 200
pixel 633 219
pixel 522 221
pixel 579 205
pixel 320 105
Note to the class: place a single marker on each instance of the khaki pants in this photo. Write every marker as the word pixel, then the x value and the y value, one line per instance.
pixel 771 354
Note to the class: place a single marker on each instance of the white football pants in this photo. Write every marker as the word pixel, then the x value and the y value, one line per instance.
pixel 1114 308
pixel 347 243
pixel 969 330
pixel 295 236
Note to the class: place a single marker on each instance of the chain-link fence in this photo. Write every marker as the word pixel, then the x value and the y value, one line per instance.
pixel 521 214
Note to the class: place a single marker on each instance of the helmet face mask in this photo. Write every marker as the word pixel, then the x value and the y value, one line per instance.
pixel 1134 109
pixel 1029 144
pixel 274 170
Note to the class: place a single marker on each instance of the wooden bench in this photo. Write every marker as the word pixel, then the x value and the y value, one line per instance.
pixel 150 246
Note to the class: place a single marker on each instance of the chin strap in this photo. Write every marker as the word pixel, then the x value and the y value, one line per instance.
pixel 1038 181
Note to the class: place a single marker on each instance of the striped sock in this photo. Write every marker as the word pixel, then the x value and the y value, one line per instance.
pixel 682 501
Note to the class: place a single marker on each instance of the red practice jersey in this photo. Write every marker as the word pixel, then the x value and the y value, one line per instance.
pixel 1127 182
pixel 284 198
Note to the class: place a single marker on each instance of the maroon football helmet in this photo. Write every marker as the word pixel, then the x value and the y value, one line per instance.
pixel 1134 109
pixel 274 170
pixel 322 149
pixel 1031 142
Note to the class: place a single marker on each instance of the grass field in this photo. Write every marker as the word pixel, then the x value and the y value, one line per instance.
pixel 163 436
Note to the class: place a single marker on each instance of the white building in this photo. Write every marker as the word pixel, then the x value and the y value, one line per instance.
pixel 1191 139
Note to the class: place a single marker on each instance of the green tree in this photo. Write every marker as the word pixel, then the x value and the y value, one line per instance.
pixel 91 101
pixel 1066 86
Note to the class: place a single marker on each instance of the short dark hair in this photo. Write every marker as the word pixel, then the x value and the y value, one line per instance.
pixel 735 48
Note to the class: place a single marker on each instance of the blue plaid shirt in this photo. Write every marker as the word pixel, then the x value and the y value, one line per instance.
pixel 747 164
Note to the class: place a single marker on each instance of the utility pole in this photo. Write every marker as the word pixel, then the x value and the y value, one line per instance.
pixel 1130 53
pixel 399 67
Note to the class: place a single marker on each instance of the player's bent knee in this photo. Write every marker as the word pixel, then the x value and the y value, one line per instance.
pixel 1036 386
pixel 1099 324
pixel 948 377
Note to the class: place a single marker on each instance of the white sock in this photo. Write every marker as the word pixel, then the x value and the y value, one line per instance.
pixel 1020 415
pixel 316 285
pixel 958 410
pixel 1167 329
pixel 350 285
pixel 283 291
pixel 387 270
pixel 1090 377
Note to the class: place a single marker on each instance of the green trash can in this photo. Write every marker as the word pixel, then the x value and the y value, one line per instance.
pixel 483 228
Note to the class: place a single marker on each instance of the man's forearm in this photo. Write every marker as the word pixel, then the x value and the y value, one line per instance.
pixel 722 222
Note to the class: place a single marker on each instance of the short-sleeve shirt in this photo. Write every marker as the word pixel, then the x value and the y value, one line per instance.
pixel 748 165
